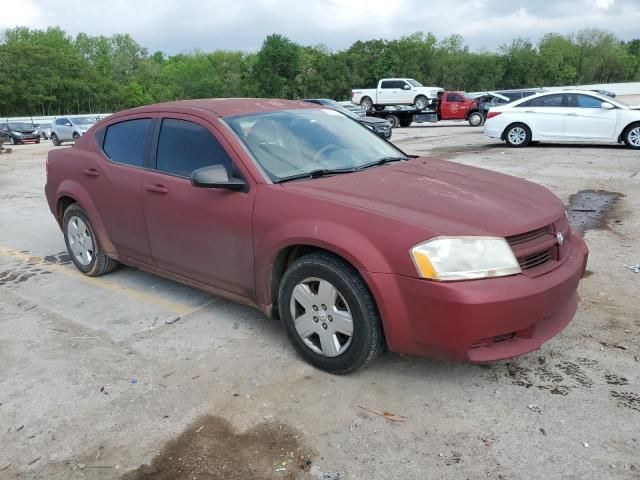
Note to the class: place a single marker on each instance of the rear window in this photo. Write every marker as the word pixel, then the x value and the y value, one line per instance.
pixel 125 142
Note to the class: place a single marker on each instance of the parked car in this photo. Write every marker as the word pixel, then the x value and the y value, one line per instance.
pixel 45 130
pixel 380 127
pixel 302 213
pixel 574 116
pixel 361 112
pixel 70 129
pixel 396 91
pixel 17 133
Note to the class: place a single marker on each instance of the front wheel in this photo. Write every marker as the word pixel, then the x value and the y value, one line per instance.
pixel 632 136
pixel 14 141
pixel 83 246
pixel 517 135
pixel 421 102
pixel 76 136
pixel 329 314
pixel 55 140
pixel 476 119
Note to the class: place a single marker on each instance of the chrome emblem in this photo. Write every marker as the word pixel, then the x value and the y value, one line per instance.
pixel 560 238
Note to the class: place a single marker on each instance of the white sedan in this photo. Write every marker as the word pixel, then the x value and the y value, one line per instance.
pixel 565 116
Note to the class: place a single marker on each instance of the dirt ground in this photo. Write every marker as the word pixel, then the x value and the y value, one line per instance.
pixel 130 376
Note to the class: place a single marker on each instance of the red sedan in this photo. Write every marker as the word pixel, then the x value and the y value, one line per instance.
pixel 310 217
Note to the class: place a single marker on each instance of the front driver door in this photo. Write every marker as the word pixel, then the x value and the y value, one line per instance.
pixel 204 234
pixel 586 119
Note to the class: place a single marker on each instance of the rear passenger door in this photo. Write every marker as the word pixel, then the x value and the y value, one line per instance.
pixel 114 183
pixel 204 234
pixel 545 115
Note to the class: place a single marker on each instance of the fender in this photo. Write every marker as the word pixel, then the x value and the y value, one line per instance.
pixel 73 189
pixel 344 241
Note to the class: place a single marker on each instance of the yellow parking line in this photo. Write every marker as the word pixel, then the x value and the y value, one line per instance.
pixel 103 283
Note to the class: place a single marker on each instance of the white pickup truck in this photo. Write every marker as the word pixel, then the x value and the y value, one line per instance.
pixel 396 91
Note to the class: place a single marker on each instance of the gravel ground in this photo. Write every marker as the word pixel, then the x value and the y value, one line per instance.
pixel 132 376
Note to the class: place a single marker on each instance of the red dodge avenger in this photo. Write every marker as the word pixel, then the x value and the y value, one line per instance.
pixel 309 216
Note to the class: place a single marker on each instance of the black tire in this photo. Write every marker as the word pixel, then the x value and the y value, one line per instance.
pixel 76 136
pixel 406 122
pixel 378 108
pixel 38 140
pixel 100 263
pixel 475 119
pixel 56 141
pixel 421 102
pixel 394 121
pixel 366 103
pixel 517 135
pixel 367 340
pixel 631 136
pixel 14 141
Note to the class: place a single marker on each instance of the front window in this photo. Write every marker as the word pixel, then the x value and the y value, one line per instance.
pixel 413 83
pixel 292 143
pixel 84 121
pixel 20 126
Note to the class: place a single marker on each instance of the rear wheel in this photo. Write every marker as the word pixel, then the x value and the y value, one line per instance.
pixel 631 136
pixel 366 103
pixel 83 246
pixel 329 313
pixel 476 119
pixel 55 140
pixel 394 121
pixel 517 135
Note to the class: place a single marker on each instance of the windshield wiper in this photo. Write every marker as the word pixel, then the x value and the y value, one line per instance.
pixel 382 161
pixel 321 172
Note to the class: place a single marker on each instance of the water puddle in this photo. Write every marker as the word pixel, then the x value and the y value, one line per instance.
pixel 591 209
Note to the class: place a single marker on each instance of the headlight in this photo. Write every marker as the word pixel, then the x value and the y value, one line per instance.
pixel 17 134
pixel 464 258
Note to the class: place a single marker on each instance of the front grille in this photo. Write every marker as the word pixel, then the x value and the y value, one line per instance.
pixel 528 236
pixel 534 260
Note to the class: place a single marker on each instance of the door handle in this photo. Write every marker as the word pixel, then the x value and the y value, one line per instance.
pixel 91 172
pixel 157 188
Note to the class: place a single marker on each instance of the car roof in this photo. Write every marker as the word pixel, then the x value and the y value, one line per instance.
pixel 225 107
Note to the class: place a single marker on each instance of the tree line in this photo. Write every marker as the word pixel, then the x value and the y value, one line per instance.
pixel 48 72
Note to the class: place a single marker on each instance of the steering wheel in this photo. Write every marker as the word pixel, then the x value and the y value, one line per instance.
pixel 324 149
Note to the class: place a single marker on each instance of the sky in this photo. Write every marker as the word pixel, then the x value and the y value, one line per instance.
pixel 175 26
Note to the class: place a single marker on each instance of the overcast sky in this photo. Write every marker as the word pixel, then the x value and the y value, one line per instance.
pixel 182 25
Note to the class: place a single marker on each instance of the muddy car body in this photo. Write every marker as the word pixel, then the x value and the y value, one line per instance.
pixel 363 247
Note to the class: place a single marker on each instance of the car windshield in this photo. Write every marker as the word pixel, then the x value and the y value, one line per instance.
pixel 294 143
pixel 20 126
pixel 83 121
pixel 414 83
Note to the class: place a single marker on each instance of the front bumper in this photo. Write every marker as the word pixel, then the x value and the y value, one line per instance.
pixel 481 320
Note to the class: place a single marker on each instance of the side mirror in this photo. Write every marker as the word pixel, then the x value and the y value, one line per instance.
pixel 606 106
pixel 216 176
pixel 68 124
pixel 406 87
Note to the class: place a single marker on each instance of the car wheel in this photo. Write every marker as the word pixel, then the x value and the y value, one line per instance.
pixel 329 314
pixel 394 121
pixel 83 246
pixel 38 140
pixel 55 140
pixel 421 102
pixel 366 103
pixel 517 135
pixel 406 122
pixel 378 108
pixel 476 119
pixel 632 136
pixel 76 136
pixel 14 141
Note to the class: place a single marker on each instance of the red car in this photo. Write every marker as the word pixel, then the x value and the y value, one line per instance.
pixel 307 215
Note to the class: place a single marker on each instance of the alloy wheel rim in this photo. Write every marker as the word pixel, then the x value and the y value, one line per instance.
pixel 421 103
pixel 80 241
pixel 321 317
pixel 517 135
pixel 475 119
pixel 634 137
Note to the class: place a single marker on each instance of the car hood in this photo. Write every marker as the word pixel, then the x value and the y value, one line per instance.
pixel 442 197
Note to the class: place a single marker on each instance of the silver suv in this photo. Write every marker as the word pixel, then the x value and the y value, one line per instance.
pixel 69 129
